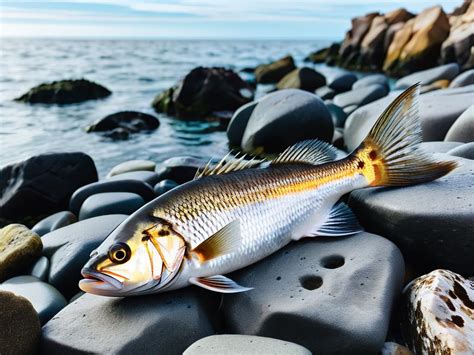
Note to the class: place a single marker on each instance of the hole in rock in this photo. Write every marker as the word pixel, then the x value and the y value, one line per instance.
pixel 332 261
pixel 311 282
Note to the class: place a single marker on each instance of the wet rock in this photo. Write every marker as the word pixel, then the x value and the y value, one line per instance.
pixel 391 348
pixel 167 322
pixel 19 248
pixel 356 278
pixel 428 76
pixel 65 92
pixel 463 79
pixel 244 344
pixel 302 78
pixel 39 269
pixel 431 223
pixel 439 310
pixel 370 80
pixel 274 72
pixel 53 222
pixel 133 186
pixel 204 91
pixel 464 151
pixel 462 129
pixel 41 185
pixel 439 147
pixel 148 177
pixel 361 96
pixel 236 127
pixel 325 93
pixel 164 186
pixel 285 117
pixel 342 82
pixel 110 203
pixel 338 115
pixel 328 54
pixel 68 249
pixel 118 134
pixel 132 165
pixel 129 121
pixel 180 169
pixel 23 332
pixel 46 300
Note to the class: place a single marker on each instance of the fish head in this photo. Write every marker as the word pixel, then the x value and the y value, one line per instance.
pixel 136 258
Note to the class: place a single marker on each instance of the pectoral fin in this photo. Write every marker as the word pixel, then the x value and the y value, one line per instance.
pixel 341 221
pixel 225 241
pixel 218 283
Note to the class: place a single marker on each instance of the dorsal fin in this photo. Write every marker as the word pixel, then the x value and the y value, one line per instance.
pixel 311 151
pixel 227 165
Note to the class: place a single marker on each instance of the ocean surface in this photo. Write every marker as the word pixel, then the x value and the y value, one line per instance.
pixel 135 71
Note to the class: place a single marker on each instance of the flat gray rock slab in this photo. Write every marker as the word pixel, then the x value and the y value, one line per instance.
pixel 53 222
pixel 431 223
pixel 244 344
pixel 132 165
pixel 46 300
pixel 428 76
pixel 162 324
pixel 110 203
pixel 330 295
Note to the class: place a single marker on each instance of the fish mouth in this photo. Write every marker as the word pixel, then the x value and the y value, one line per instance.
pixel 96 281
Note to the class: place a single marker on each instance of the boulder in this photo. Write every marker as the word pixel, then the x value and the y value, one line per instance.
pixel 372 51
pixel 40 269
pixel 42 185
pixel 164 186
pixel 438 314
pixel 204 91
pixel 342 82
pixel 302 78
pixel 330 295
pixel 65 92
pixel 21 327
pixel 236 127
pixel 148 177
pixel 396 16
pixel 180 169
pixel 431 223
pixel 164 323
pixel 133 186
pixel 338 115
pixel 274 72
pixel 463 79
pixel 371 80
pixel 325 93
pixel 128 121
pixel 428 76
pixel 68 249
pixel 132 165
pixel 462 129
pixel 361 96
pixel 464 151
pixel 243 344
pixel 327 54
pixel 285 117
pixel 46 300
pixel 390 35
pixel 19 248
pixel 53 222
pixel 110 203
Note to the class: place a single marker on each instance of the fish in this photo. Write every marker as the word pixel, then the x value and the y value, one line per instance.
pixel 239 211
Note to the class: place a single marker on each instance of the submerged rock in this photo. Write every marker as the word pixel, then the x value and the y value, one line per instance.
pixel 132 165
pixel 19 248
pixel 428 76
pixel 302 78
pixel 65 92
pixel 439 309
pixel 126 121
pixel 274 72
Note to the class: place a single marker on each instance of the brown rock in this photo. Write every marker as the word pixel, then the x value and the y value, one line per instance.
pixel 398 15
pixel 438 84
pixel 274 72
pixel 372 48
pixel 19 324
pixel 390 34
pixel 400 39
pixel 302 78
pixel 19 248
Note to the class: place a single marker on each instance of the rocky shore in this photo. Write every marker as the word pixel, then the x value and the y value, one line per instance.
pixel 402 286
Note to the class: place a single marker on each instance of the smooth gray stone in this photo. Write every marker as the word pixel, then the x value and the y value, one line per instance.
pixel 244 344
pixel 370 80
pixel 164 186
pixel 428 76
pixel 361 96
pixel 46 300
pixel 325 93
pixel 463 79
pixel 180 169
pixel 236 127
pixel 331 295
pixel 439 147
pixel 462 129
pixel 165 323
pixel 431 223
pixel 40 269
pixel 464 151
pixel 68 249
pixel 342 82
pixel 53 222
pixel 134 186
pixel 110 203
pixel 132 165
pixel 285 117
pixel 149 177
pixel 338 115
pixel 349 109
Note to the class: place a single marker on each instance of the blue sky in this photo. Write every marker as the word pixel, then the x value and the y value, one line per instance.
pixel 273 19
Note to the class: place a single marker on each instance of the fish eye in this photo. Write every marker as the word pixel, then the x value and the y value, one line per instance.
pixel 119 253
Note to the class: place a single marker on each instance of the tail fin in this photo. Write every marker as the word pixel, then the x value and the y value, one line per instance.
pixel 389 156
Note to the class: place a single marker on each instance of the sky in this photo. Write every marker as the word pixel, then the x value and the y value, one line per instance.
pixel 188 19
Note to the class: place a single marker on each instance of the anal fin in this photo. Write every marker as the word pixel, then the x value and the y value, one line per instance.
pixel 218 283
pixel 341 221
